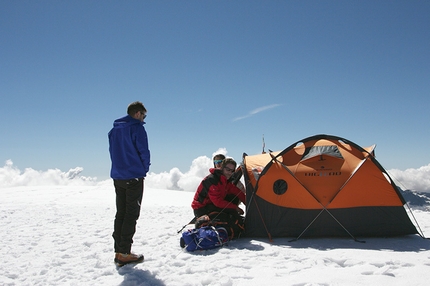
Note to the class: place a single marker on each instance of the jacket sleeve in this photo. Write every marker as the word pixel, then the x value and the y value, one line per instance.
pixel 232 189
pixel 142 147
pixel 216 195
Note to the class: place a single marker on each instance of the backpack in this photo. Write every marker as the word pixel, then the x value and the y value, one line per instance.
pixel 204 238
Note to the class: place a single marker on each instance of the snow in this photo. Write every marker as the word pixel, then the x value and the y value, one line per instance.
pixel 61 235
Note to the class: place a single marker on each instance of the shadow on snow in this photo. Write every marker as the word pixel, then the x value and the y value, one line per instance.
pixel 135 276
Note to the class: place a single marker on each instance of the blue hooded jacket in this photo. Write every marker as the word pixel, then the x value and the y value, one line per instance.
pixel 128 148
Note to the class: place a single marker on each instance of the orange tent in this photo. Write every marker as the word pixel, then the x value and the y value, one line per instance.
pixel 322 186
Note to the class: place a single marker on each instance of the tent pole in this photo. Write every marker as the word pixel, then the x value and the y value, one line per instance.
pixel 297 238
pixel 324 208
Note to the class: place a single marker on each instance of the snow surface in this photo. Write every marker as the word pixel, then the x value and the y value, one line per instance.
pixel 61 235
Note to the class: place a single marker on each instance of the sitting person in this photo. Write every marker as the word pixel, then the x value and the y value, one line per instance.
pixel 235 177
pixel 217 160
pixel 216 192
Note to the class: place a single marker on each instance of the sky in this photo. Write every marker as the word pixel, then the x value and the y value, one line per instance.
pixel 213 75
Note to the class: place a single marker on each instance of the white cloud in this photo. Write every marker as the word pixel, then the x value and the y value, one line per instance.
pixel 412 179
pixel 188 181
pixel 257 110
pixel 220 151
pixel 176 180
pixel 417 180
pixel 11 176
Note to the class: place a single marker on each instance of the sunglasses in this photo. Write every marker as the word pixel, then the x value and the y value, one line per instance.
pixel 228 169
pixel 217 161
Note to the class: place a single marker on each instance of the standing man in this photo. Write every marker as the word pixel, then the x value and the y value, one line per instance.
pixel 129 153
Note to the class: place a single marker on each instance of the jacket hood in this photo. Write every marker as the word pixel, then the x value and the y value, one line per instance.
pixel 126 121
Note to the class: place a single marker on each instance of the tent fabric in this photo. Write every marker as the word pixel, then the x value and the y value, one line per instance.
pixel 322 185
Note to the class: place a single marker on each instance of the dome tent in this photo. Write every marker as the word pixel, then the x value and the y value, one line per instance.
pixel 322 185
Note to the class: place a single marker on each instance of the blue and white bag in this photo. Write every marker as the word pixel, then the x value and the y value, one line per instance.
pixel 207 237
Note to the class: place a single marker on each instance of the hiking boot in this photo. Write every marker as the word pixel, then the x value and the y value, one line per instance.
pixel 204 220
pixel 116 257
pixel 122 259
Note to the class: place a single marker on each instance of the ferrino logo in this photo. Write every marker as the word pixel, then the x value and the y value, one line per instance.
pixel 322 174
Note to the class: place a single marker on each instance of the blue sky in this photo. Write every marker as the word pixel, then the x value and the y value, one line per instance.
pixel 212 74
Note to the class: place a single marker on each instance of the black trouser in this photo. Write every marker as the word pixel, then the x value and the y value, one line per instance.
pixel 129 195
pixel 206 210
pixel 211 208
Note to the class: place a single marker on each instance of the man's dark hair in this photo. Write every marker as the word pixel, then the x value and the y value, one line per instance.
pixel 219 157
pixel 135 107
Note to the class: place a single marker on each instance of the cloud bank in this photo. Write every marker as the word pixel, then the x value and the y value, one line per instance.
pixel 417 180
pixel 188 181
pixel 11 176
pixel 412 179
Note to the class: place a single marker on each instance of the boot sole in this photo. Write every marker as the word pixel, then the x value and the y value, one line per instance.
pixel 122 263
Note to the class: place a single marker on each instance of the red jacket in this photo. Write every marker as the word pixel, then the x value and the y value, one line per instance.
pixel 213 189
